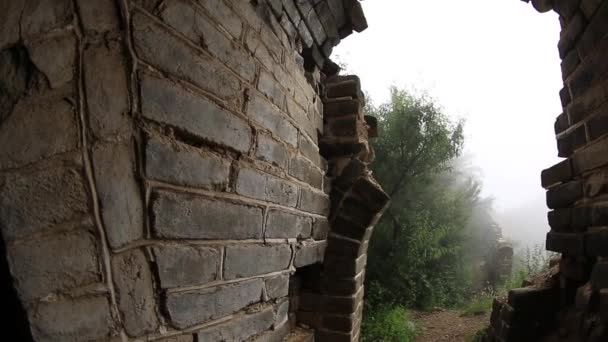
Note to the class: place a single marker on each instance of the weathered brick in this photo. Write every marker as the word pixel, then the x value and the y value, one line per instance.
pixel 98 15
pixel 224 15
pixel 305 171
pixel 561 123
pixel 589 6
pixel 591 71
pixel 598 124
pixel 33 202
pixel 277 287
pixel 120 197
pixel 75 320
pixel 39 127
pixel 282 312
pixel 105 82
pixel 314 24
pixel 310 150
pixel 185 165
pixel 337 10
pixel 310 253
pixel 282 224
pixel 133 283
pixel 371 193
pixel 186 266
pixel 185 216
pixel 249 260
pixel 178 338
pixel 570 63
pixel 344 248
pixel 73 263
pixel 271 151
pixel 571 244
pixel 255 184
pixel 591 157
pixel 594 32
pixel 240 328
pixel 593 100
pixel 164 51
pixel 345 227
pixel 314 202
pixel 563 195
pixel 557 173
pixel 271 118
pixel 192 23
pixel 41 16
pixel 186 309
pixel 10 17
pixel 342 286
pixel 165 102
pixel 320 229
pixel 560 219
pixel 268 86
pixel 596 241
pixel 55 57
pixel 533 299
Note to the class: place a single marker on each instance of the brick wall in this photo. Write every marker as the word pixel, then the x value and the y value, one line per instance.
pixel 160 171
pixel 571 303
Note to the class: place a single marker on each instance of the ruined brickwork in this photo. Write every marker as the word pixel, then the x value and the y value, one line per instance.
pixel 177 170
pixel 571 303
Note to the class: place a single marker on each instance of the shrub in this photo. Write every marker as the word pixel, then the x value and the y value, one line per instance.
pixel 387 324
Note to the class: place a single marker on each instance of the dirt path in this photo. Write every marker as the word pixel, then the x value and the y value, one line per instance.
pixel 446 325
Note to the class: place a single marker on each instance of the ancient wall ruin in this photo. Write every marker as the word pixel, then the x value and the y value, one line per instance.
pixel 160 171
pixel 571 303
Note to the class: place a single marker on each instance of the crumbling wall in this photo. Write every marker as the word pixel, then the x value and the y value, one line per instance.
pixel 160 174
pixel 571 303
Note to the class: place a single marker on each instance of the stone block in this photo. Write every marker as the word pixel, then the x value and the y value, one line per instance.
pixel 55 57
pixel 243 261
pixel 345 227
pixel 186 266
pixel 305 171
pixel 594 32
pixel 533 299
pixel 266 187
pixel 568 243
pixel 557 173
pixel 268 86
pixel 344 248
pixel 571 141
pixel 10 26
pixel 185 165
pixel 39 127
pixel 564 195
pixel 271 118
pixel 165 102
pixel 186 309
pixel 120 197
pixel 224 15
pixel 163 50
pixel 588 7
pixel 598 125
pixel 277 287
pixel 98 16
pixel 320 229
pixel 284 225
pixel 33 202
pixel 310 253
pixel 591 157
pixel 42 16
pixel 309 149
pixel 281 314
pixel 561 123
pixel 596 241
pixel 570 63
pixel 73 320
pixel 192 23
pixel 560 220
pixel 314 202
pixel 54 264
pixel 571 34
pixel 272 151
pixel 185 216
pixel 136 300
pixel 240 328
pixel 107 91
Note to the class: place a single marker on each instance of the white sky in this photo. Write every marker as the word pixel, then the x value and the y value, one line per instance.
pixel 492 62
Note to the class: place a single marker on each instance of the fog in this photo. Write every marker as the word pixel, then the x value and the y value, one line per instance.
pixel 493 63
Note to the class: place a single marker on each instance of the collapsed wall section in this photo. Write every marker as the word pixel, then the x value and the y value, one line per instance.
pixel 571 303
pixel 160 174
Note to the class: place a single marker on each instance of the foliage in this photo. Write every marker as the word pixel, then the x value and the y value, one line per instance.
pixel 388 324
pixel 479 336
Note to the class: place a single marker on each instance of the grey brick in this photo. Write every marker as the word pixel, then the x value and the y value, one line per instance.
pixel 305 171
pixel 268 86
pixel 186 266
pixel 266 187
pixel 164 51
pixel 185 216
pixel 282 312
pixel 240 328
pixel 277 287
pixel 271 151
pixel 32 202
pixel 310 253
pixel 55 57
pixel 165 102
pixel 224 15
pixel 249 260
pixel 39 127
pixel 281 224
pixel 314 202
pixel 310 150
pixel 271 118
pixel 57 263
pixel 320 229
pixel 75 320
pixel 186 309
pixel 41 16
pixel 184 17
pixel 98 15
pixel 105 81
pixel 184 165
pixel 133 281
pixel 119 194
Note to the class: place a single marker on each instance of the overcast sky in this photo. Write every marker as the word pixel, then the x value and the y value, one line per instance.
pixel 492 62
